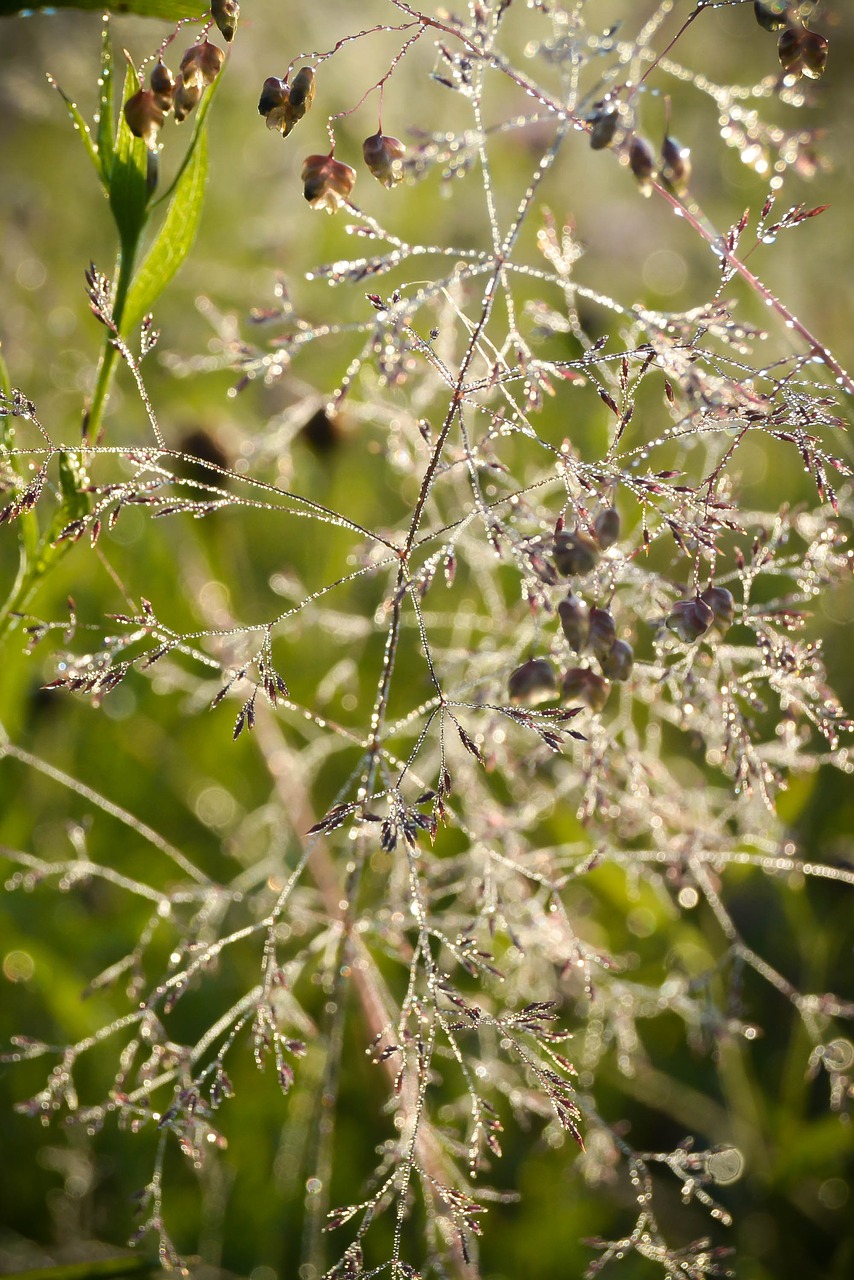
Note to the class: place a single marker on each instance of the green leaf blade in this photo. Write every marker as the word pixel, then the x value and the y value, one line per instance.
pixel 128 178
pixel 174 239
pixel 83 129
pixel 105 107
pixel 167 10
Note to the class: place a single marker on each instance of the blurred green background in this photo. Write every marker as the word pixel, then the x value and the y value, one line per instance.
pixel 155 750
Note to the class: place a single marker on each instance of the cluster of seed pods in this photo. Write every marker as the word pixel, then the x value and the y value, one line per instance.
pixel 146 110
pixel 801 52
pixel 593 630
pixel 576 553
pixel 327 182
pixel 610 126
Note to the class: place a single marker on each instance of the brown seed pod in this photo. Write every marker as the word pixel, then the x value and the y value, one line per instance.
pixel 274 94
pixel 574 621
pixel 789 51
pixel 771 14
pixel 202 63
pixel 281 118
pixel 225 14
pixel 722 605
pixel 327 182
pixel 606 526
pixel 675 165
pixel 603 632
pixel 384 157
pixel 618 662
pixel 187 95
pixel 813 54
pixel 189 68
pixel 284 105
pixel 532 683
pixel 580 684
pixel 642 163
pixel 575 553
pixel 604 120
pixel 162 86
pixel 301 93
pixel 802 52
pixel 209 58
pixel 144 117
pixel 690 619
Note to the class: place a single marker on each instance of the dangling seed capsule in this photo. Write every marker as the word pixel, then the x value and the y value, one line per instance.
pixel 200 66
pixel 283 105
pixel 580 684
pixel 574 621
pixel 604 120
pixel 618 663
pixel 225 14
pixel 162 86
pixel 603 632
pixel 813 54
pixel 606 526
pixel 675 165
pixel 384 157
pixel 327 182
pixel 690 619
pixel 274 94
pixel 532 683
pixel 722 605
pixel 301 94
pixel 299 98
pixel 207 58
pixel 144 117
pixel 201 63
pixel 190 70
pixel 187 95
pixel 789 51
pixel 771 14
pixel 575 553
pixel 642 163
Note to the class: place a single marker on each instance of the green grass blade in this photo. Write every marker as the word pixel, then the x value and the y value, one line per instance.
pixel 105 107
pixel 101 1268
pixel 168 10
pixel 128 178
pixel 82 128
pixel 173 240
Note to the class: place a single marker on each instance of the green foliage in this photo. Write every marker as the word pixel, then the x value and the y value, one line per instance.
pixel 177 231
pixel 128 181
pixel 166 10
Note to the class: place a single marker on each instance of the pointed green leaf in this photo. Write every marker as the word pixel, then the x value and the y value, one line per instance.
pixel 82 128
pixel 168 10
pixel 173 240
pixel 105 106
pixel 128 178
